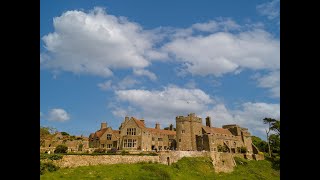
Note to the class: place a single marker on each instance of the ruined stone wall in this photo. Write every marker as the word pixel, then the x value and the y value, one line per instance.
pixel 87 160
pixel 222 162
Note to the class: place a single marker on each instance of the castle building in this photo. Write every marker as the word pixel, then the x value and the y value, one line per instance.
pixel 190 135
pixel 133 135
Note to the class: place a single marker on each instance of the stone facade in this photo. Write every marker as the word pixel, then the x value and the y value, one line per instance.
pixel 190 135
pixel 133 135
pixel 72 144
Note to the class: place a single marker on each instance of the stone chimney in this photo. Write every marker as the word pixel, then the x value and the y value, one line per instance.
pixel 171 127
pixel 208 121
pixel 142 120
pixel 104 125
pixel 157 125
pixel 126 119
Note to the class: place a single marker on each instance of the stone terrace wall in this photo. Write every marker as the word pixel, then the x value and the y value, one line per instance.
pixel 88 160
pixel 174 156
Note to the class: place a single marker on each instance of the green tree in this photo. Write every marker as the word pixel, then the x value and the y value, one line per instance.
pixel 65 134
pixel 270 122
pixel 260 144
pixel 61 149
pixel 45 133
pixel 276 127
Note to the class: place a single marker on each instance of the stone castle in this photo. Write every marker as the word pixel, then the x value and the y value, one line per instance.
pixel 190 135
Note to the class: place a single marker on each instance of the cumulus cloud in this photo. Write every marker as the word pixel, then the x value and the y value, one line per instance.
pixel 270 9
pixel 143 72
pixel 165 104
pixel 272 82
pixel 127 82
pixel 105 85
pixel 96 42
pixel 58 114
pixel 224 52
pixel 249 115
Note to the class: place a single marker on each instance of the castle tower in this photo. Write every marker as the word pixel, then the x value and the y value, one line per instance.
pixel 187 128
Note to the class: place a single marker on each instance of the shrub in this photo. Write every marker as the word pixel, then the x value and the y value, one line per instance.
pixel 47 166
pixel 243 149
pixel 65 134
pixel 222 148
pixel 112 151
pixel 124 152
pixel 240 161
pixel 61 149
pixel 55 157
pixel 99 151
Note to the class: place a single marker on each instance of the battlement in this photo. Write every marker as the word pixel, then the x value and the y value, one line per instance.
pixel 227 126
pixel 189 118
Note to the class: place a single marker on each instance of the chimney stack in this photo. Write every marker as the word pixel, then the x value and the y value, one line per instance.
pixel 208 121
pixel 142 120
pixel 157 125
pixel 126 119
pixel 104 125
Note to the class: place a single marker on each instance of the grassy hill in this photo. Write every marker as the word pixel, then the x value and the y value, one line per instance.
pixel 186 168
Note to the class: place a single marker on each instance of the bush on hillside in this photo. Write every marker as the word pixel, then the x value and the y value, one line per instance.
pixel 243 149
pixel 61 149
pixel 124 152
pixel 99 151
pixel 47 166
pixel 65 134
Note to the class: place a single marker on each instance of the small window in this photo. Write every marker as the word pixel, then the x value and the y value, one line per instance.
pixel 183 131
pixel 179 140
pixel 153 138
pixel 109 136
pixel 160 139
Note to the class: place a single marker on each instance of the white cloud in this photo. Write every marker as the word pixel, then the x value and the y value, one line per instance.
pixel 126 82
pixel 143 72
pixel 191 84
pixel 224 52
pixel 41 114
pixel 270 9
pixel 96 42
pixel 165 104
pixel 271 81
pixel 250 115
pixel 58 114
pixel 105 85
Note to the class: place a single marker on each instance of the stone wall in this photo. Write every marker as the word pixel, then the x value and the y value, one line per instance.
pixel 174 156
pixel 88 160
pixel 223 162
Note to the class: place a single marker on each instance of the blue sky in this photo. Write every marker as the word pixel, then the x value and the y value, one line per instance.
pixel 101 60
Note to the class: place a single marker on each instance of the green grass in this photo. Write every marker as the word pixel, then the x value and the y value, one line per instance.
pixel 186 168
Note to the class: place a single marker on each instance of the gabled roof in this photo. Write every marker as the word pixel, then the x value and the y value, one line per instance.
pixel 214 130
pixel 139 123
pixel 100 132
pixel 161 131
pixel 116 133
